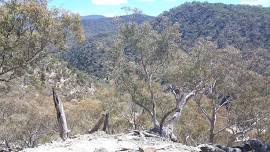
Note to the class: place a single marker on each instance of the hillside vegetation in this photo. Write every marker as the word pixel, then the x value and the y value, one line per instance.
pixel 94 25
pixel 244 27
pixel 198 73
pixel 241 26
pixel 91 56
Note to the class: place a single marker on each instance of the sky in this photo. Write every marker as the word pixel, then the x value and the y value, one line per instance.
pixel 112 8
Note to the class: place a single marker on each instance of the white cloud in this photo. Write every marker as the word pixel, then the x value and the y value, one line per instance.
pixel 147 1
pixel 256 2
pixel 109 2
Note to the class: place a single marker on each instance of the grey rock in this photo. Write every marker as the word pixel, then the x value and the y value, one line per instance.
pixel 209 148
pixel 101 150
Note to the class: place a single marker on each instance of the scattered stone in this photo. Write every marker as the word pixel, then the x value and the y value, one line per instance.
pixel 147 149
pixel 101 150
pixel 255 145
pixel 249 146
pixel 74 100
pixel 209 148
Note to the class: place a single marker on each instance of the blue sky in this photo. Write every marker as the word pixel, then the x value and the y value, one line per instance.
pixel 150 7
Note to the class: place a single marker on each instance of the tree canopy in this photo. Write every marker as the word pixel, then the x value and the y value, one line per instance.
pixel 241 26
pixel 29 30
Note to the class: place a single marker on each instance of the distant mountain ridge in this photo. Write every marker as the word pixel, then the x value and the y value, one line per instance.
pixel 241 26
pixel 92 17
pixel 98 24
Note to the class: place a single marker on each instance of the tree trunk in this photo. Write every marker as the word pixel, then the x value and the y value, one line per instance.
pixel 104 119
pixel 106 123
pixel 212 123
pixel 154 117
pixel 167 127
pixel 61 117
pixel 211 132
pixel 154 104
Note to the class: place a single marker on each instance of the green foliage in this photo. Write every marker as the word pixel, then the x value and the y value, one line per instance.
pixel 95 26
pixel 92 55
pixel 89 57
pixel 140 56
pixel 29 31
pixel 138 62
pixel 241 26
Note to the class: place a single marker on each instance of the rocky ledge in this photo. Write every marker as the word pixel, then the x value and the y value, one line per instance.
pixel 101 142
pixel 137 142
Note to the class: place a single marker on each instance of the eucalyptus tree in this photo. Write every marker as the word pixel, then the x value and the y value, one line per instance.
pixel 249 115
pixel 141 57
pixel 218 69
pixel 233 98
pixel 147 63
pixel 29 30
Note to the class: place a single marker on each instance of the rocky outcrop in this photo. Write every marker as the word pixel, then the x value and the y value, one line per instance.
pixel 137 142
pixel 217 148
pixel 6 147
pixel 101 142
pixel 248 146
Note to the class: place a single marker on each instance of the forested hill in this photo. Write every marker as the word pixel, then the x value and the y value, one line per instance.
pixel 98 24
pixel 241 26
pixel 98 29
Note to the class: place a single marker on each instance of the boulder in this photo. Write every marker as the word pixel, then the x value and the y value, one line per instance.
pixel 210 148
pixel 101 150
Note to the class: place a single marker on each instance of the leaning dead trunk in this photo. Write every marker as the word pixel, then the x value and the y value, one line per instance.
pixel 61 117
pixel 104 119
pixel 105 127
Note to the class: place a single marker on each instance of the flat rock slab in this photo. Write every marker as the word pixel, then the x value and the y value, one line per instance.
pixel 100 142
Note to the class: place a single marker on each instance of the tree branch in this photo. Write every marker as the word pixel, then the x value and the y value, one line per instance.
pixel 164 118
pixel 203 111
pixel 144 107
pixel 221 129
pixel 179 107
pixel 227 101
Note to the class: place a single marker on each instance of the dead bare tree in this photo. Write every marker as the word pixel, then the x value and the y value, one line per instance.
pixel 104 119
pixel 61 117
pixel 217 101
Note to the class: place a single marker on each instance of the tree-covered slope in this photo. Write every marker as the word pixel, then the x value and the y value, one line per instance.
pixel 90 56
pixel 97 24
pixel 241 26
